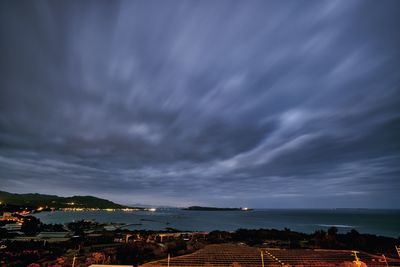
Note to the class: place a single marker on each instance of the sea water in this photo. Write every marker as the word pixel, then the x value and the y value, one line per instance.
pixel 380 222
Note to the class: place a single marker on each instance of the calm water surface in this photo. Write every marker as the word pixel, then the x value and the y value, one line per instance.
pixel 381 222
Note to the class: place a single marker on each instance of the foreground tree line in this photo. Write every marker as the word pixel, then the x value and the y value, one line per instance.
pixel 330 239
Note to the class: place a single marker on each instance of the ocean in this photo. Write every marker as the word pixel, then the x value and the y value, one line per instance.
pixel 380 222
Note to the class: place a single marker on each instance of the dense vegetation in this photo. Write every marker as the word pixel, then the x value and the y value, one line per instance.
pixel 36 200
pixel 331 239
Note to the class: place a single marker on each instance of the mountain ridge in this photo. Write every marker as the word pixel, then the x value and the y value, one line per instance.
pixel 76 201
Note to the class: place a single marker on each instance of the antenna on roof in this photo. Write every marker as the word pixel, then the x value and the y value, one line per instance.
pixel 262 259
pixel 398 250
pixel 357 261
pixel 385 260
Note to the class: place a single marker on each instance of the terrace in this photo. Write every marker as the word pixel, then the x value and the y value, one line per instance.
pixel 238 255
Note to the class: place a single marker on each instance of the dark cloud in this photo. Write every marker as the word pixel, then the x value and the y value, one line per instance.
pixel 264 104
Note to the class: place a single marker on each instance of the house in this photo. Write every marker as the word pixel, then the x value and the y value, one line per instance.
pixel 12 227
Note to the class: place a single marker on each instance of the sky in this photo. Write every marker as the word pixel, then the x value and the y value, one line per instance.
pixel 266 104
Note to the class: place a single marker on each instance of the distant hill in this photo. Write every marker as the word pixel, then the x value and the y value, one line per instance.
pixel 36 200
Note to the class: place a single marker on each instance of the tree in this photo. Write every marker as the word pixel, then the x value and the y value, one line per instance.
pixel 31 225
pixel 332 231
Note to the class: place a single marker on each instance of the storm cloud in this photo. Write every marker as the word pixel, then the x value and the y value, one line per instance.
pixel 226 103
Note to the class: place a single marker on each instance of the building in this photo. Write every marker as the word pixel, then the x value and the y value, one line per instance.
pixel 48 235
pixel 13 227
pixel 7 216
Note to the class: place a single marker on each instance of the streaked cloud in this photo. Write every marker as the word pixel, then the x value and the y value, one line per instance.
pixel 262 104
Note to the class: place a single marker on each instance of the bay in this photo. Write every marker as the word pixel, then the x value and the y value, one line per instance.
pixel 380 222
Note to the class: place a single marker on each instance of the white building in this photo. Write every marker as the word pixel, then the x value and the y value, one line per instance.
pixel 13 227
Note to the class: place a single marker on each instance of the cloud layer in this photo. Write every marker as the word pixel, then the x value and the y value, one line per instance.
pixel 262 104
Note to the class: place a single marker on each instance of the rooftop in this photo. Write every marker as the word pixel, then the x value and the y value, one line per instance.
pixel 238 255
